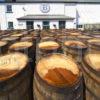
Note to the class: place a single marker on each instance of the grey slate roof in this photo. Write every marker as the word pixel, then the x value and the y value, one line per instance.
pixel 58 0
pixel 45 17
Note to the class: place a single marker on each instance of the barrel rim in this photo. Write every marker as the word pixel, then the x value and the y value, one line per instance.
pixel 90 68
pixel 62 87
pixel 13 38
pixel 17 73
pixel 21 48
pixel 56 48
pixel 5 43
pixel 97 47
pixel 75 47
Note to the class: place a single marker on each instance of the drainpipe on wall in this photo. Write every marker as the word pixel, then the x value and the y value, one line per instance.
pixel 24 13
pixel 77 18
pixel 6 17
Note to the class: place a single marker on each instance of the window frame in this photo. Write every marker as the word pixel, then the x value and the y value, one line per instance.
pixel 9 10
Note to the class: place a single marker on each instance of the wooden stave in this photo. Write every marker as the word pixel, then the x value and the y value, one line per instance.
pixel 91 78
pixel 94 48
pixel 56 90
pixel 90 96
pixel 76 53
pixel 4 49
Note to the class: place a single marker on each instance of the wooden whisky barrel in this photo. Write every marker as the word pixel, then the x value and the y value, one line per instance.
pixel 11 40
pixel 17 35
pixel 3 47
pixel 76 49
pixel 5 35
pixel 47 38
pixel 94 45
pixel 75 34
pixel 57 77
pixel 48 47
pixel 15 77
pixel 91 72
pixel 26 48
pixel 27 38
pixel 84 38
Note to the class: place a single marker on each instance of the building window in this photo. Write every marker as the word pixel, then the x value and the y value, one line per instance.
pixel 10 25
pixel 79 26
pixel 46 25
pixel 61 24
pixel 29 25
pixel 9 8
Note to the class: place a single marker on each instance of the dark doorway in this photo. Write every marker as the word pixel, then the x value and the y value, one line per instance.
pixel 30 25
pixel 61 24
pixel 46 25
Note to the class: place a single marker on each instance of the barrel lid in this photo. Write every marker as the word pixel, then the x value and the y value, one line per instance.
pixel 74 43
pixel 10 38
pixel 58 70
pixel 18 45
pixel 17 35
pixel 96 36
pixel 93 60
pixel 48 45
pixel 94 40
pixel 2 43
pixel 27 37
pixel 11 64
pixel 75 33
pixel 84 37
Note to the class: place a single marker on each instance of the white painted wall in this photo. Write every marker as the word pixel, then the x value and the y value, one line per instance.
pixel 3 19
pixel 30 9
pixel 35 9
pixel 54 22
pixel 70 24
pixel 22 24
pixel 37 23
pixel 88 13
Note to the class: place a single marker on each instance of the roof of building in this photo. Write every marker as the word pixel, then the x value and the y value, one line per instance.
pixel 58 1
pixel 45 17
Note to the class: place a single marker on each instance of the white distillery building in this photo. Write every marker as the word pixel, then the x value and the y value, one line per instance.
pixel 48 14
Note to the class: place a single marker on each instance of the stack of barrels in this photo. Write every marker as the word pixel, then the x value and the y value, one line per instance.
pixel 17 62
pixel 49 65
pixel 50 73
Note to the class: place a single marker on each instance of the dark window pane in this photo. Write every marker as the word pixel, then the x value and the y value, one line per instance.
pixel 79 26
pixel 30 24
pixel 46 25
pixel 10 25
pixel 61 24
pixel 9 8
